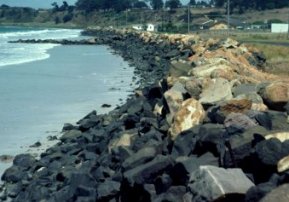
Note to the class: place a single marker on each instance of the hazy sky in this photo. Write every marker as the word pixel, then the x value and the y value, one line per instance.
pixel 43 3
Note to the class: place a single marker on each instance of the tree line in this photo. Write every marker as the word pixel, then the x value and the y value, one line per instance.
pixel 235 5
pixel 121 5
pixel 243 5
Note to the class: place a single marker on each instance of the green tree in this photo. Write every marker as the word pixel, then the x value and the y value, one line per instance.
pixel 192 2
pixel 140 4
pixel 55 7
pixel 156 4
pixel 173 4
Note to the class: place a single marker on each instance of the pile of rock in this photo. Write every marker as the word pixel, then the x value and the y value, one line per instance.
pixel 213 129
pixel 91 41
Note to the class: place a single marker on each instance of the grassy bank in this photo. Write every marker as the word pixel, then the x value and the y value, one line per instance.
pixel 277 57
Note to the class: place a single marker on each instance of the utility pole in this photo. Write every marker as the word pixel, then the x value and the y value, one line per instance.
pixel 228 14
pixel 288 28
pixel 163 15
pixel 126 18
pixel 189 12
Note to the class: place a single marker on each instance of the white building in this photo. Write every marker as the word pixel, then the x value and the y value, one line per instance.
pixel 279 28
pixel 147 27
pixel 137 27
pixel 151 27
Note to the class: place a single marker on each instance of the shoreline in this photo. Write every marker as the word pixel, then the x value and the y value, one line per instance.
pixel 203 118
pixel 66 114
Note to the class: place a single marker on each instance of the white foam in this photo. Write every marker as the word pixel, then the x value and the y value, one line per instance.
pixel 14 53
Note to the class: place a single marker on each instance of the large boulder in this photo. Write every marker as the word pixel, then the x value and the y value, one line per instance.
pixel 276 95
pixel 174 98
pixel 266 156
pixel 217 90
pixel 237 122
pixel 142 156
pixel 236 106
pixel 191 113
pixel 210 183
pixel 279 194
pixel 180 68
pixel 147 172
pixel 241 146
pixel 244 89
pixel 124 140
pixel 212 65
pixel 107 190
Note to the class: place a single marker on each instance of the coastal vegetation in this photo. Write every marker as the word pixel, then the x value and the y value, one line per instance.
pixel 277 57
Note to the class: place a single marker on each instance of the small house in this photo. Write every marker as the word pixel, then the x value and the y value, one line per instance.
pixel 279 28
pixel 137 27
pixel 207 24
pixel 151 27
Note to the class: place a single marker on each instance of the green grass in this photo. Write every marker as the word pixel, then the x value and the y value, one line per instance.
pixel 277 58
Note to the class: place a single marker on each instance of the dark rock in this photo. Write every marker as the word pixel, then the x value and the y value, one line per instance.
pixel 237 122
pixel 52 138
pixel 130 121
pixel 172 53
pixel 241 147
pixel 210 139
pixel 185 142
pixel 24 161
pixel 78 179
pixel 153 92
pixel 107 190
pixel 67 126
pixel 86 124
pixel 266 156
pixel 215 115
pixel 143 156
pixel 105 106
pixel 121 153
pixel 279 194
pixel 151 138
pixel 71 135
pixel 85 191
pixel 163 183
pixel 13 174
pixel 173 194
pixel 36 144
pixel 146 173
pixel 258 192
pixel 101 173
pixel 186 165
pixel 211 183
pixel 272 120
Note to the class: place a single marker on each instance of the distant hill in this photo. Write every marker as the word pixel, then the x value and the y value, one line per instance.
pixel 65 15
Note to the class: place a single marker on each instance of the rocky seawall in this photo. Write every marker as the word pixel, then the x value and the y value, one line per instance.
pixel 206 124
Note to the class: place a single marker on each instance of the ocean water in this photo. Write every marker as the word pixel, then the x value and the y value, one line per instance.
pixel 43 86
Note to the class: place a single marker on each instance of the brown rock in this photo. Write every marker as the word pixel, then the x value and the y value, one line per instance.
pixel 236 106
pixel 276 95
pixel 174 98
pixel 191 113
